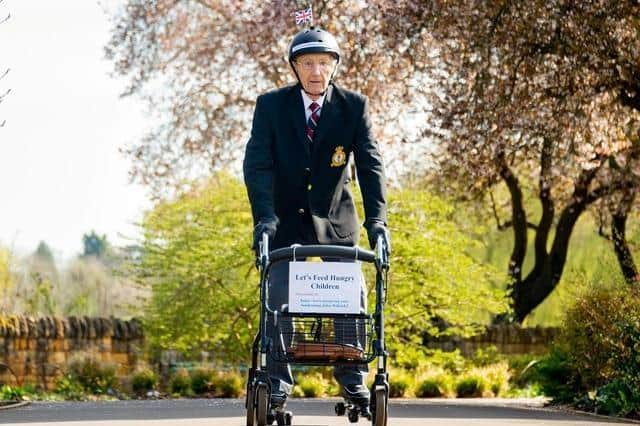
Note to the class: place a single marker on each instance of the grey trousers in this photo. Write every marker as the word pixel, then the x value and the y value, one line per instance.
pixel 280 373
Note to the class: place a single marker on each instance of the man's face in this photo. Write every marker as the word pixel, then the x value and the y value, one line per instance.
pixel 314 70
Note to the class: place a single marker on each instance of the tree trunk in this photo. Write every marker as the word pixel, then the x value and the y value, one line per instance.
pixel 518 223
pixel 526 294
pixel 544 278
pixel 619 238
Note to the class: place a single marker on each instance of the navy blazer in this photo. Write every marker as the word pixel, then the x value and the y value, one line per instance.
pixel 293 180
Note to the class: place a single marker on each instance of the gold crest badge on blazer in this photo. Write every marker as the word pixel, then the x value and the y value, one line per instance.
pixel 339 158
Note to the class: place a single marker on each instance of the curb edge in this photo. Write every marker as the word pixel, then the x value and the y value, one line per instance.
pixel 15 405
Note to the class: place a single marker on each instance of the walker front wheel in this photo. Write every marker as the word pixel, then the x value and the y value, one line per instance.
pixel 262 404
pixel 381 412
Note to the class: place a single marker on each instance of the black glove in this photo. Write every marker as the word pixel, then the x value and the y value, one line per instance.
pixel 376 228
pixel 268 225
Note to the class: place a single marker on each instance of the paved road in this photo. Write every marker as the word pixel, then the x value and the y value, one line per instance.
pixel 309 412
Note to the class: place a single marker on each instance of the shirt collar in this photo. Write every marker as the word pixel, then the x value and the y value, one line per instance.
pixel 306 100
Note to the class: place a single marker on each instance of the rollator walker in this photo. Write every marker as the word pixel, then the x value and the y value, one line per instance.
pixel 327 339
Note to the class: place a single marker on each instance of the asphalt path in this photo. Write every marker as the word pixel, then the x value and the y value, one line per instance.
pixel 307 412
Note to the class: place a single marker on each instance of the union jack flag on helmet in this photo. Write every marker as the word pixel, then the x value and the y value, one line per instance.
pixel 304 16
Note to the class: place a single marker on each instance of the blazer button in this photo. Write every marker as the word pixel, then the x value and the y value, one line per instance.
pixel 308 170
pixel 301 211
pixel 309 187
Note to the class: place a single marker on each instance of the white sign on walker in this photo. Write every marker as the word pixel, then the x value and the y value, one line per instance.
pixel 325 287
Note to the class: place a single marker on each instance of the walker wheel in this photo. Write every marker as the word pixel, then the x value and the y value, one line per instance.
pixel 340 409
pixel 284 418
pixel 262 405
pixel 251 406
pixel 381 411
pixel 353 416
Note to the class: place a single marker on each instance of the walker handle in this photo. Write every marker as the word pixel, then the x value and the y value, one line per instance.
pixel 382 253
pixel 264 250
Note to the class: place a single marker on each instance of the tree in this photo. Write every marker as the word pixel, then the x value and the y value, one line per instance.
pixel 198 264
pixel 95 245
pixel 619 207
pixel 7 278
pixel 44 253
pixel 211 59
pixel 46 281
pixel 537 97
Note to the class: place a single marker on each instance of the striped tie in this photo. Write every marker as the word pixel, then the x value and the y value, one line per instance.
pixel 312 123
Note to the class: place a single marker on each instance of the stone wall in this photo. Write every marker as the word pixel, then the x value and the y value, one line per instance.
pixel 508 339
pixel 37 350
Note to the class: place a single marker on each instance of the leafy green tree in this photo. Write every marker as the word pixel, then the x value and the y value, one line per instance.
pixel 198 263
pixel 92 287
pixel 197 260
pixel 40 301
pixel 44 253
pixel 95 245
pixel 434 280
pixel 43 263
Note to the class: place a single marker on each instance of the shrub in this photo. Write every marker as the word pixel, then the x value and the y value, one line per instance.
pixel 486 356
pixel 531 390
pixel 429 388
pixel 94 377
pixel 550 375
pixel 69 388
pixel 471 386
pixel 452 361
pixel 180 383
pixel 556 376
pixel 399 384
pixel 144 380
pixel 522 371
pixel 332 388
pixel 202 381
pixel 601 337
pixel 626 361
pixel 618 398
pixel 229 385
pixel 496 376
pixel 297 392
pixel 12 393
pixel 311 385
pixel 409 357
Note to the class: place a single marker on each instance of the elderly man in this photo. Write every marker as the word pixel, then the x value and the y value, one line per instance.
pixel 296 173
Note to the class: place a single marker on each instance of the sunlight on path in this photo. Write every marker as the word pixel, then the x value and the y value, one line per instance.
pixel 327 421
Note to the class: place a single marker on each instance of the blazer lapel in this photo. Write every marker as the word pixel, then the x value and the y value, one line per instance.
pixel 328 116
pixel 296 112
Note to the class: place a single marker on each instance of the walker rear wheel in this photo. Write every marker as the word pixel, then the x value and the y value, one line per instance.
pixel 251 407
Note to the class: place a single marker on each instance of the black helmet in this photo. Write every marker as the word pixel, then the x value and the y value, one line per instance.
pixel 313 40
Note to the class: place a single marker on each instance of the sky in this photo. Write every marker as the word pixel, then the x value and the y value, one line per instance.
pixel 61 172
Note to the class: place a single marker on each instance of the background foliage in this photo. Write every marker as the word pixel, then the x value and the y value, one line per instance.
pixel 198 264
pixel 86 285
pixel 204 287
